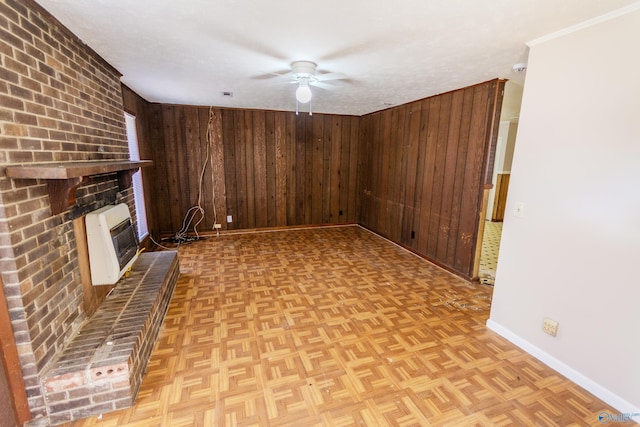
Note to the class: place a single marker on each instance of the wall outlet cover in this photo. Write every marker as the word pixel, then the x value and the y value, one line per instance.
pixel 550 326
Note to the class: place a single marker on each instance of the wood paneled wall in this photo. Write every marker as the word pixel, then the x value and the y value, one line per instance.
pixel 423 170
pixel 413 173
pixel 265 168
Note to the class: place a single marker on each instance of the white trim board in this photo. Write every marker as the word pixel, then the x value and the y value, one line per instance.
pixel 593 21
pixel 588 384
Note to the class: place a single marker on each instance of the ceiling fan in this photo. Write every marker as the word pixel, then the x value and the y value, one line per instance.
pixel 305 75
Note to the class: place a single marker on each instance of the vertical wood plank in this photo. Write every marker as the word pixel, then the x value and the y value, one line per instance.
pixel 413 146
pixel 270 145
pixel 280 123
pixel 216 181
pixel 242 176
pixel 292 124
pixel 230 162
pixel 365 160
pixel 191 148
pixel 353 189
pixel 334 169
pixel 385 136
pixel 308 176
pixel 427 179
pixel 397 169
pixel 326 169
pixel 375 173
pixel 317 164
pixel 159 190
pixel 300 160
pixel 186 192
pixel 420 168
pixel 249 146
pixel 205 148
pixel 174 188
pixel 259 168
pixel 342 212
pixel 404 159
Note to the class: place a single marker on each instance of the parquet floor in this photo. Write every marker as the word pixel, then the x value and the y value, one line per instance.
pixel 337 327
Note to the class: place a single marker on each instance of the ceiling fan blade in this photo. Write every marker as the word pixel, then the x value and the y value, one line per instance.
pixel 321 85
pixel 271 75
pixel 330 76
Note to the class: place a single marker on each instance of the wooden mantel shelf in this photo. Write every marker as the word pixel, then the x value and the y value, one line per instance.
pixel 64 178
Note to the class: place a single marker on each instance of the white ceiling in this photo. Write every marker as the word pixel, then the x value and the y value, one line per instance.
pixel 393 52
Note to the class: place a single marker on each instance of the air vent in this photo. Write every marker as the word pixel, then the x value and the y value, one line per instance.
pixel 227 94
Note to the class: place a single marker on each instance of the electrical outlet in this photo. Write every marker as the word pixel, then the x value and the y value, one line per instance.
pixel 550 326
pixel 217 226
pixel 229 218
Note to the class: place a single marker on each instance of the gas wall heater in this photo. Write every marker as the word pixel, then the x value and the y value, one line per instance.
pixel 113 243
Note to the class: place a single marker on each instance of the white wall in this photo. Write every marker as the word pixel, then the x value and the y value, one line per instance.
pixel 575 254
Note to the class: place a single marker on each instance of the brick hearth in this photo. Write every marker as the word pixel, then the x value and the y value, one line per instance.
pixel 102 367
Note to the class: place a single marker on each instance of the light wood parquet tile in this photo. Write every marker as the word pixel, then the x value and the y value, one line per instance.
pixel 337 327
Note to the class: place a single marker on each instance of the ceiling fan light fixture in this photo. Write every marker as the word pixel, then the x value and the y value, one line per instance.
pixel 303 69
pixel 303 93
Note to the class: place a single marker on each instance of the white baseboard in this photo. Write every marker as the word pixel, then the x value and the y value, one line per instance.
pixel 588 384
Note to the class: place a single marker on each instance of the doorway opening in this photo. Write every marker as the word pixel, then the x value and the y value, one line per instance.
pixel 497 199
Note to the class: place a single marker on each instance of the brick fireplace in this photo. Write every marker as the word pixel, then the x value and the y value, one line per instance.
pixel 102 366
pixel 59 102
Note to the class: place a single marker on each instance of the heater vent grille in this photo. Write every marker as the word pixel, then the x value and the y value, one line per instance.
pixel 125 242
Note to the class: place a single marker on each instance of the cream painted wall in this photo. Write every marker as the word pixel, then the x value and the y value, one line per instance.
pixel 574 255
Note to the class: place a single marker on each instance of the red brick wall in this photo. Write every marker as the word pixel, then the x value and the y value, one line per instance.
pixel 59 101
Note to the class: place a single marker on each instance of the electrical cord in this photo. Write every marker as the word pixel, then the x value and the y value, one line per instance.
pixel 162 246
pixel 181 236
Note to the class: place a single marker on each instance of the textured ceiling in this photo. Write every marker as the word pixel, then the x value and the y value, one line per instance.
pixel 393 52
